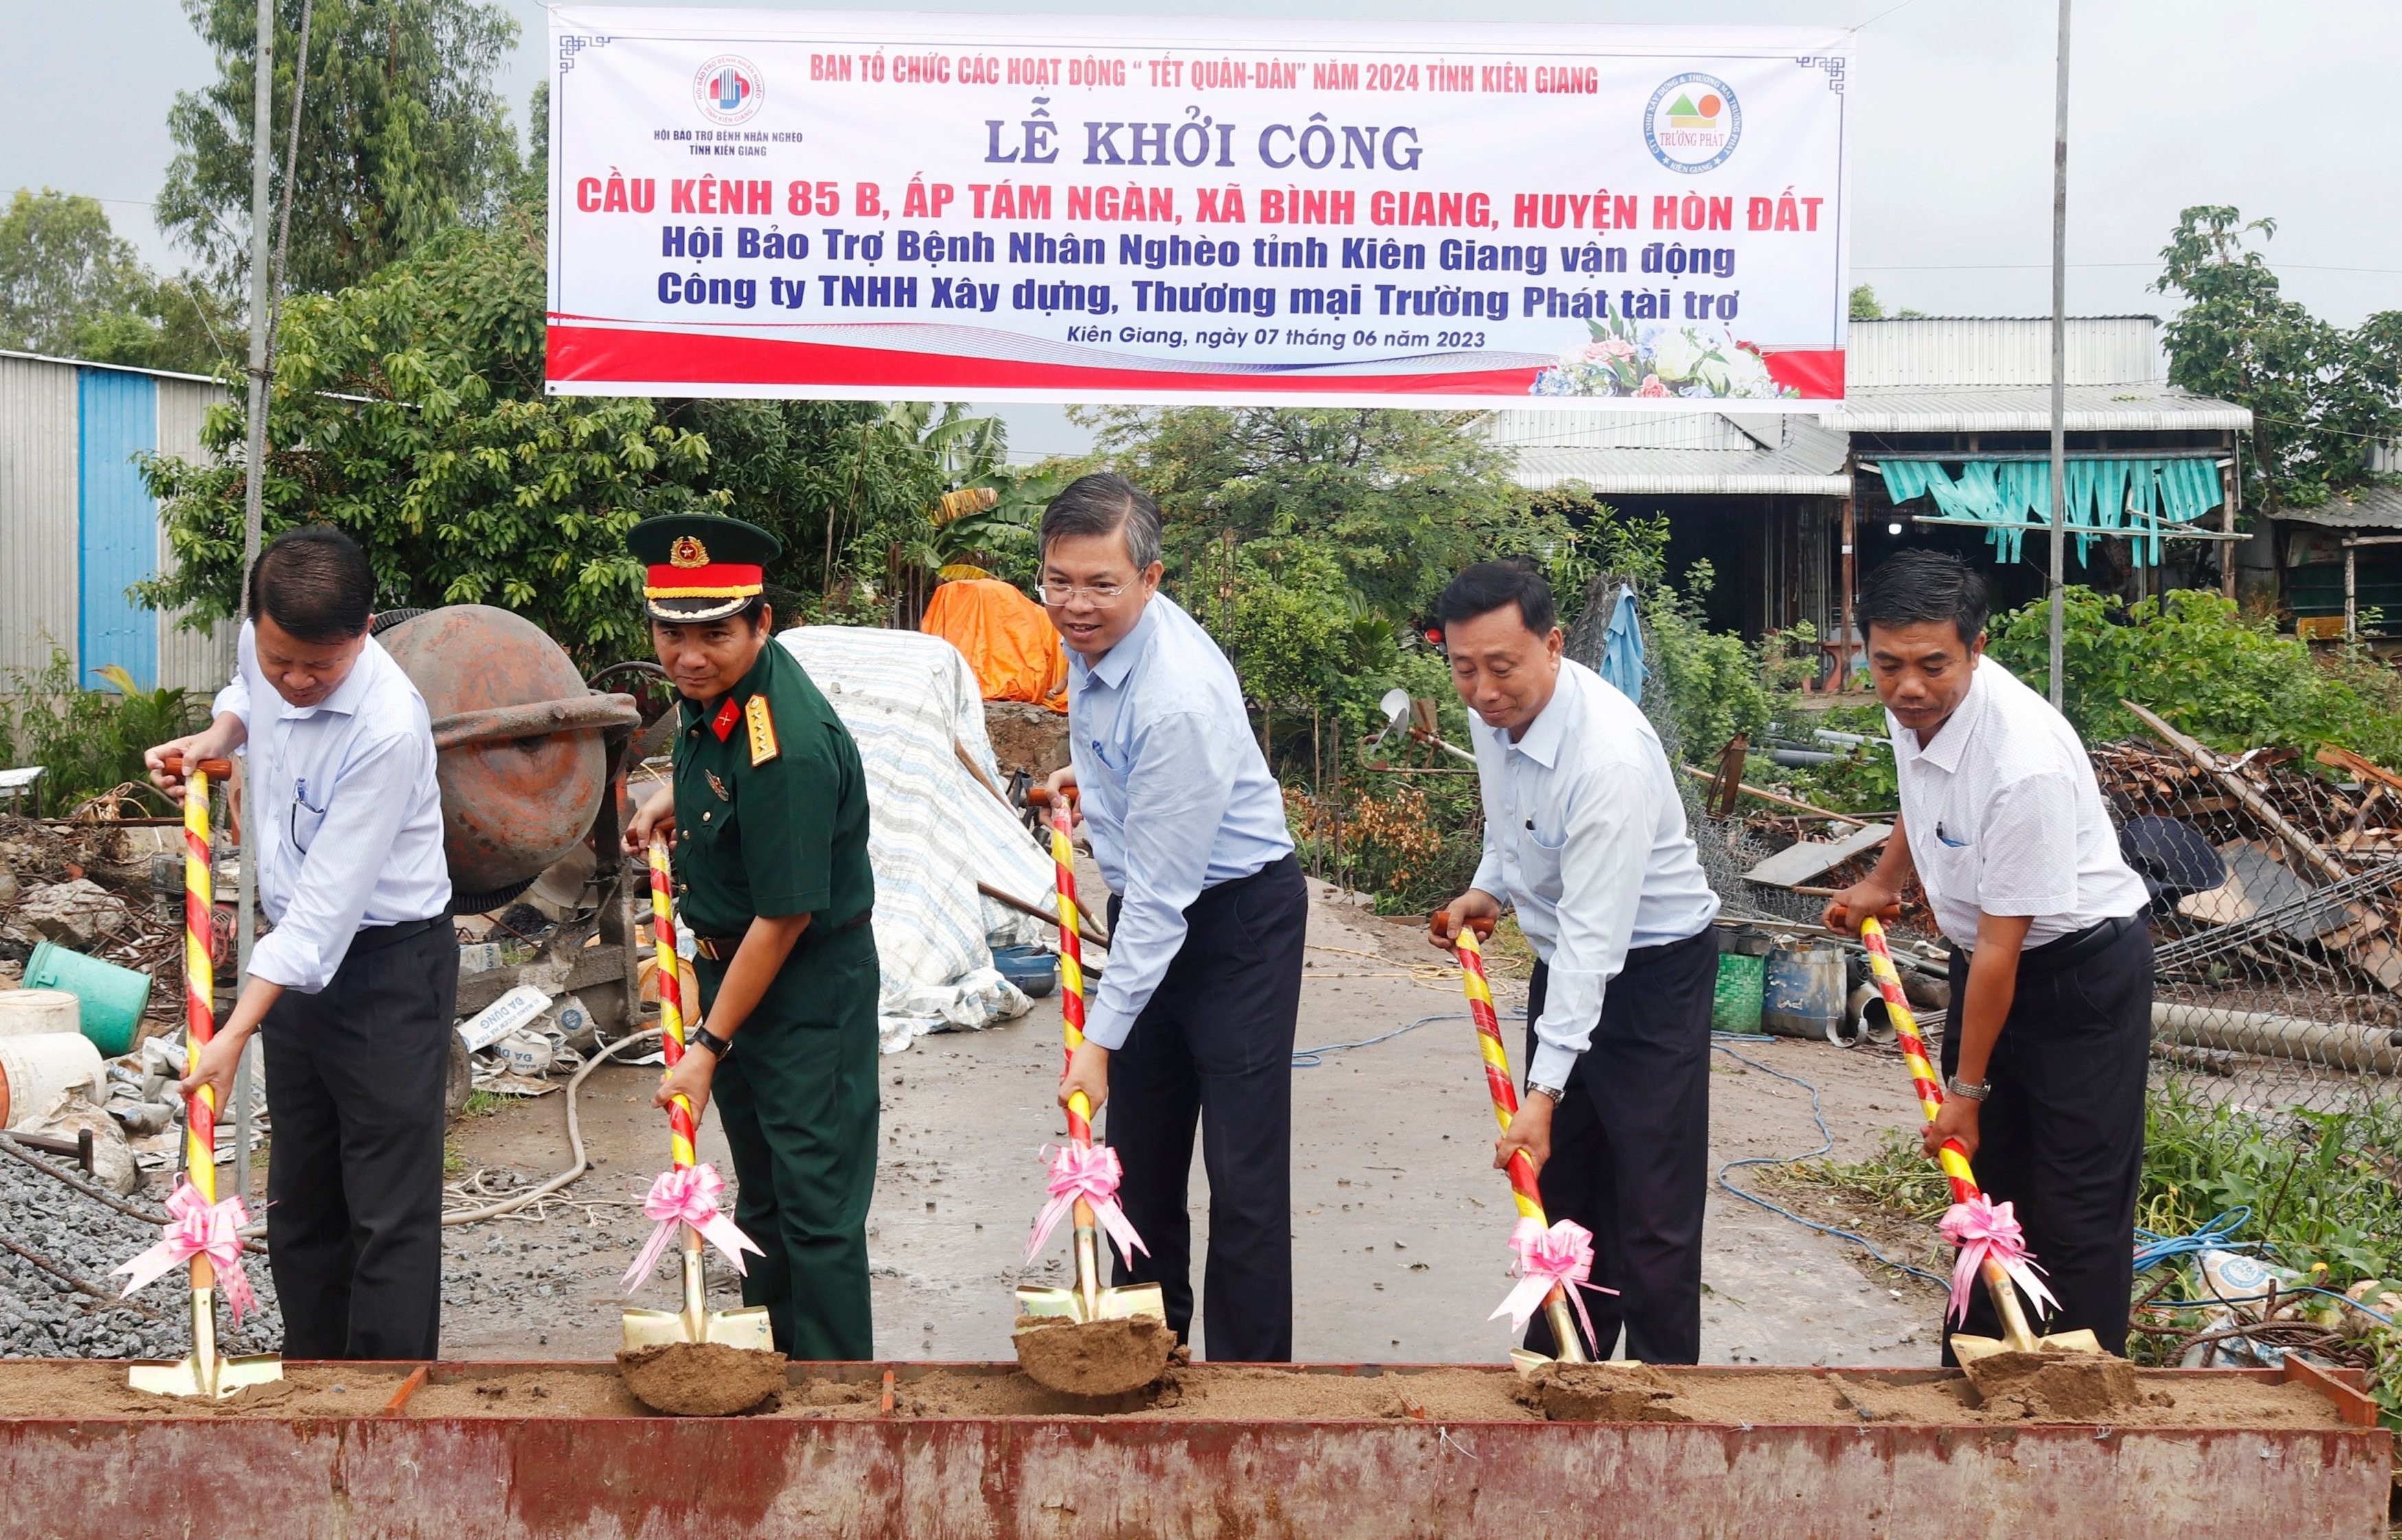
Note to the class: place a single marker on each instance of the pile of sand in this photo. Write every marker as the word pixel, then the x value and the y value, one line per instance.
pixel 701 1379
pixel 1112 1357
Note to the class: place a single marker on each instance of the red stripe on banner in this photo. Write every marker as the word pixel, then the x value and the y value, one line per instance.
pixel 1817 373
pixel 604 355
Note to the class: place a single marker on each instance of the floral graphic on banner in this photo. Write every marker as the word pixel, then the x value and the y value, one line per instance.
pixel 1660 359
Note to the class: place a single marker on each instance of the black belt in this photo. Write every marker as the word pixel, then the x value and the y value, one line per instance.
pixel 2081 946
pixel 375 938
pixel 721 948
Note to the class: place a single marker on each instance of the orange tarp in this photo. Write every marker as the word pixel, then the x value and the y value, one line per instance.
pixel 1008 639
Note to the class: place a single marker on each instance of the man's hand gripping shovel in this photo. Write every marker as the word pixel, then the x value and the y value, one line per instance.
pixel 1553 1260
pixel 683 1198
pixel 205 1231
pixel 1991 1245
pixel 1084 1176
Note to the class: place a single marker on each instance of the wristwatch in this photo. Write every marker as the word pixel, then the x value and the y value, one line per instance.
pixel 1966 1091
pixel 1556 1093
pixel 701 1036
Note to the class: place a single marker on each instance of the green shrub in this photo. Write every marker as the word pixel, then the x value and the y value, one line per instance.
pixel 89 741
pixel 2232 682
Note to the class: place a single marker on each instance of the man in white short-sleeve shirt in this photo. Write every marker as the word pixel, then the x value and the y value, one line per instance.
pixel 2003 825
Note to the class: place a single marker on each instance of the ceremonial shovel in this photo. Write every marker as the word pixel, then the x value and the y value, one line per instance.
pixel 1547 1252
pixel 204 1232
pixel 1081 1173
pixel 1991 1247
pixel 684 1198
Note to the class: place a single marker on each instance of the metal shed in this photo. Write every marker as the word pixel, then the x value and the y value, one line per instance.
pixel 78 528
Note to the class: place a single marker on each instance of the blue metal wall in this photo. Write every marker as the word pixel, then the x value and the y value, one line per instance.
pixel 117 414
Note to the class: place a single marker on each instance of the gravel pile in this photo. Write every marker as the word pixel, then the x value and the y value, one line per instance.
pixel 42 1317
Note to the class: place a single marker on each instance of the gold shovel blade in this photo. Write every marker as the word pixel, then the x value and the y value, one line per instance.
pixel 1123 1302
pixel 186 1376
pixel 747 1327
pixel 1970 1349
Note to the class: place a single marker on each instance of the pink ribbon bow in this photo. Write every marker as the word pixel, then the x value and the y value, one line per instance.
pixel 198 1229
pixel 1089 1172
pixel 1983 1228
pixel 1562 1255
pixel 688 1197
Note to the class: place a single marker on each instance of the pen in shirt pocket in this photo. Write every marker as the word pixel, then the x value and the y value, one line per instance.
pixel 1942 838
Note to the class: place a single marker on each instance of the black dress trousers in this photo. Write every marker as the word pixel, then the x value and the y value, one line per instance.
pixel 2062 1135
pixel 1215 1046
pixel 354 1083
pixel 1631 1152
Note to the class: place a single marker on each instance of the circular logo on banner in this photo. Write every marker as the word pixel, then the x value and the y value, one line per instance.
pixel 729 90
pixel 1692 123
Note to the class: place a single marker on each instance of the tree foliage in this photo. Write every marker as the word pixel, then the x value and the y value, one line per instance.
pixel 410 411
pixel 72 287
pixel 1397 500
pixel 2192 657
pixel 402 133
pixel 2319 395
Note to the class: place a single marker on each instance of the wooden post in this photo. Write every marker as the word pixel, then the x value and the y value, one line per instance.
pixel 2232 489
pixel 2351 591
pixel 1851 537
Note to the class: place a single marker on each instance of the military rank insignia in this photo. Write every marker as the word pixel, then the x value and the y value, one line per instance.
pixel 722 723
pixel 717 786
pixel 763 730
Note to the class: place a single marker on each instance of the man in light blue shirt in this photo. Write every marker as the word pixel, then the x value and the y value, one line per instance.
pixel 1193 1018
pixel 354 981
pixel 1585 831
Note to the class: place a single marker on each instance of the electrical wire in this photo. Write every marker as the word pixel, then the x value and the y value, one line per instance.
pixel 1313 1058
pixel 1827 1145
pixel 2218 1235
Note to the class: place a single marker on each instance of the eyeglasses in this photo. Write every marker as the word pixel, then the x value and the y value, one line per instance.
pixel 1066 592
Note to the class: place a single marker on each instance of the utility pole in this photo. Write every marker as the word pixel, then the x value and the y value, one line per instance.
pixel 262 145
pixel 2059 357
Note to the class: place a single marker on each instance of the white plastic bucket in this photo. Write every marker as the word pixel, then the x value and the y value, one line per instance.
pixel 35 1070
pixel 25 1012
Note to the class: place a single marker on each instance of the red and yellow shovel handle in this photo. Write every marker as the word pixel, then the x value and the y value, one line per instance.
pixel 1929 1085
pixel 681 1130
pixel 200 988
pixel 1071 951
pixel 1479 990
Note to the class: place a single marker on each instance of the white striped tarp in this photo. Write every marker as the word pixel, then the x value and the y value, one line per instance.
pixel 934 831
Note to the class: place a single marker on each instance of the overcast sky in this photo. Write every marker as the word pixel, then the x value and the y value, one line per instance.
pixel 2291 111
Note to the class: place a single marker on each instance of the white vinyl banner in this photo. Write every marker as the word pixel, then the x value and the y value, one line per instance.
pixel 938 207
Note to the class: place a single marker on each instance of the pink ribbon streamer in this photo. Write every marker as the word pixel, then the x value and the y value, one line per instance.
pixel 1561 1256
pixel 1089 1172
pixel 198 1229
pixel 688 1197
pixel 1983 1229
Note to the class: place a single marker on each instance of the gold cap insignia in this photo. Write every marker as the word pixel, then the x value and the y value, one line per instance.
pixel 687 552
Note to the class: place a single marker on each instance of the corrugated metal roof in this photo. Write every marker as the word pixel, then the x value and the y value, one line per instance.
pixel 1755 454
pixel 121 368
pixel 2373 507
pixel 2027 409
pixel 1999 351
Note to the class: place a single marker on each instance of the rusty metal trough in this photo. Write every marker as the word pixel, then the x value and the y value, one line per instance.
pixel 467 1478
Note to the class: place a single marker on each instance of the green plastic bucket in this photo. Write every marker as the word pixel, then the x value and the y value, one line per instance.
pixel 113 998
pixel 1734 1002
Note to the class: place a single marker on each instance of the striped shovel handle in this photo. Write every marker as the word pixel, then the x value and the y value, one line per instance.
pixel 681 1131
pixel 1929 1085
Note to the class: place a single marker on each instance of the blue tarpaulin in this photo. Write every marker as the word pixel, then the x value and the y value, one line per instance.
pixel 2104 497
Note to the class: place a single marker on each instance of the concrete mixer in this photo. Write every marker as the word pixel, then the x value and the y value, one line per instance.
pixel 531 763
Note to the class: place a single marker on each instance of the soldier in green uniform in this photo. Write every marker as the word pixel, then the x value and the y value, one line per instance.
pixel 768 821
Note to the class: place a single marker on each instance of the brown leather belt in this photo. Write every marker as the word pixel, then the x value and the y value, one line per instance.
pixel 721 948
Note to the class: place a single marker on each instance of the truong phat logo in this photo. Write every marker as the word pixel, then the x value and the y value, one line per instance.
pixel 1692 123
pixel 728 91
